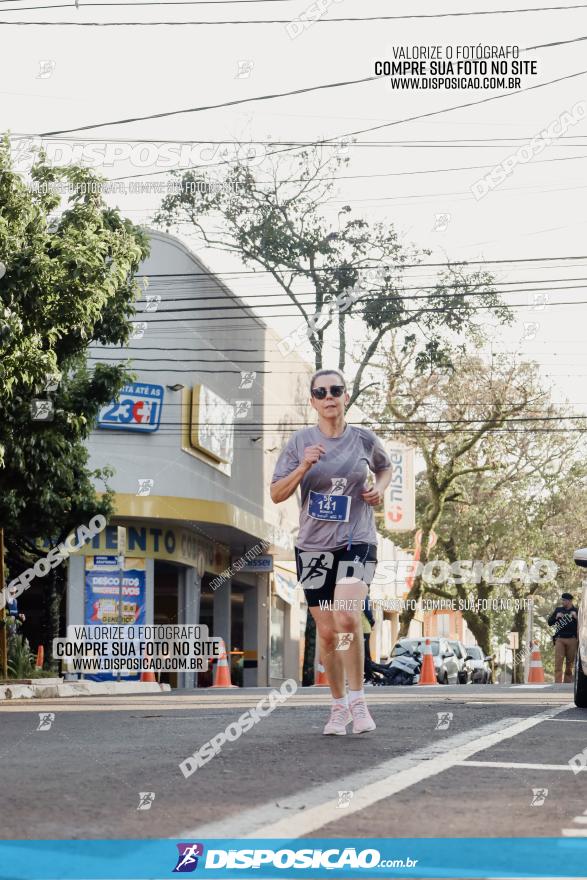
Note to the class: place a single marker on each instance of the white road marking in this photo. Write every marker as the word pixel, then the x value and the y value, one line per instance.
pixel 309 810
pixel 514 687
pixel 510 765
pixel 577 832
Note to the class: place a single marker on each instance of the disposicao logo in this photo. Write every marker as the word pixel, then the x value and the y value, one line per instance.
pixel 187 859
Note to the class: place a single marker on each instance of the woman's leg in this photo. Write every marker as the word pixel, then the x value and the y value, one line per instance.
pixel 349 598
pixel 350 595
pixel 329 657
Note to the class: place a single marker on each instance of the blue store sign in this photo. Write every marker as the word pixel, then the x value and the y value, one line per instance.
pixel 137 409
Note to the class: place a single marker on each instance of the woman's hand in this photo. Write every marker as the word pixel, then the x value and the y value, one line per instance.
pixel 312 455
pixel 373 496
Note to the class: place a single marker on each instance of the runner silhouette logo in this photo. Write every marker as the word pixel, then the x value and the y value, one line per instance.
pixel 315 567
pixel 187 859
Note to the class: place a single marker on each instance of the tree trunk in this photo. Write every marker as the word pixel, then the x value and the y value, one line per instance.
pixel 480 626
pixel 519 626
pixel 50 616
pixel 407 613
pixel 479 622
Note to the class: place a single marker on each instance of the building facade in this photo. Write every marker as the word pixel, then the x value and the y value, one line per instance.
pixel 192 443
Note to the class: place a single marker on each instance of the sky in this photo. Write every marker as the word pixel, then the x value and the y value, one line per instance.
pixel 415 174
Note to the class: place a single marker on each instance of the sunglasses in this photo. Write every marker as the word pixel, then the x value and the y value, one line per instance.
pixel 335 390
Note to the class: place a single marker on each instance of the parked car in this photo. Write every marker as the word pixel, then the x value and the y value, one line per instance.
pixel 481 670
pixel 464 663
pixel 445 661
pixel 581 658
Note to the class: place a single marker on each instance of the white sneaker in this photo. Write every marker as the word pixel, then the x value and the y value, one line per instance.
pixel 362 721
pixel 339 718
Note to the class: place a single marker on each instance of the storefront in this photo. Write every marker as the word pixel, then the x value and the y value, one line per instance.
pixel 164 568
pixel 191 464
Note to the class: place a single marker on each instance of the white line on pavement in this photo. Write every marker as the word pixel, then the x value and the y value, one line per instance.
pixel 577 832
pixel 510 765
pixel 373 784
pixel 514 687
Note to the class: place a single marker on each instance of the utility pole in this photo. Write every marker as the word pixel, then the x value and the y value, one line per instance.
pixel 514 644
pixel 529 636
pixel 121 550
pixel 3 630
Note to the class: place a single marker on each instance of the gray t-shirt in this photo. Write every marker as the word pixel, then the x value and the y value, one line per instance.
pixel 341 471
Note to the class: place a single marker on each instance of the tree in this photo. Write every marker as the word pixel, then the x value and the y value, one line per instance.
pixel 478 427
pixel 68 283
pixel 276 222
pixel 505 515
pixel 358 271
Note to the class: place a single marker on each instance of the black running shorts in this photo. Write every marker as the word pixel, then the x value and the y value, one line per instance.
pixel 320 570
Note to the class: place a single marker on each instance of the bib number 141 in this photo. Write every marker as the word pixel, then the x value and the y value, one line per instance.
pixel 331 508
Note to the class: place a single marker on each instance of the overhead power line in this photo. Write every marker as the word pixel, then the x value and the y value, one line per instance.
pixel 199 168
pixel 558 43
pixel 417 311
pixel 456 107
pixel 394 423
pixel 396 296
pixel 447 264
pixel 350 134
pixel 284 297
pixel 174 2
pixel 288 21
pixel 408 143
pixel 166 114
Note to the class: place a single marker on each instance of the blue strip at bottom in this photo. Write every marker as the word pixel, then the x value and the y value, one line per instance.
pixel 336 858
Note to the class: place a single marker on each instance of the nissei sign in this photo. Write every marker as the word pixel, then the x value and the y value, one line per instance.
pixel 259 563
pixel 137 409
pixel 400 496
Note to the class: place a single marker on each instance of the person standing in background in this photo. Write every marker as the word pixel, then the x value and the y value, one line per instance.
pixel 564 619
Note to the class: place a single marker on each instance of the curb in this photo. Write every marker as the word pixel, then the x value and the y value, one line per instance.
pixel 55 690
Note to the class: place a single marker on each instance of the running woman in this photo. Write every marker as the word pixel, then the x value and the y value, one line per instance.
pixel 337 537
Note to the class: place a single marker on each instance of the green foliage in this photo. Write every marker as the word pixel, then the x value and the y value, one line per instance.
pixel 70 264
pixel 68 283
pixel 21 661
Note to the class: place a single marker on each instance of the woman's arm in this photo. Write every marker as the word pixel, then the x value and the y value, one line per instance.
pixel 283 489
pixel 374 496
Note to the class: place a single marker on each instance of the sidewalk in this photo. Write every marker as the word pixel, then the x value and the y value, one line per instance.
pixel 49 688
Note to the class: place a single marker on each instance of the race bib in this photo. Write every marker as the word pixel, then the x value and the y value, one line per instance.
pixel 332 508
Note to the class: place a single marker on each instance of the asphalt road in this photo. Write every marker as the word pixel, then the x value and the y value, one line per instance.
pixel 473 774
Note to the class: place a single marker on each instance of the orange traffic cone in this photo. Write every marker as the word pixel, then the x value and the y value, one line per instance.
pixel 428 672
pixel 535 670
pixel 148 675
pixel 320 677
pixel 40 657
pixel 222 671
